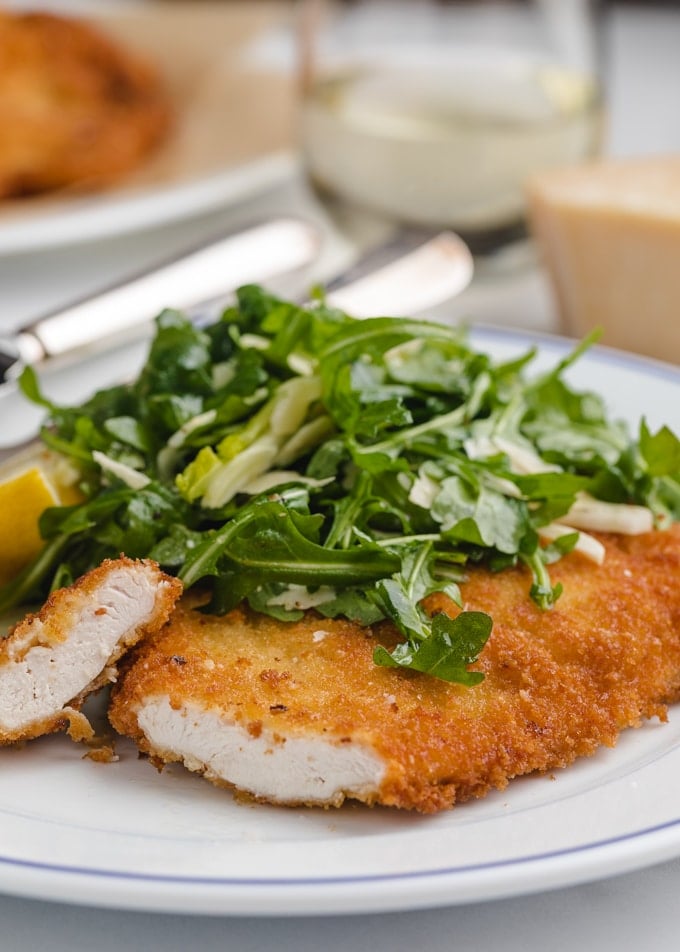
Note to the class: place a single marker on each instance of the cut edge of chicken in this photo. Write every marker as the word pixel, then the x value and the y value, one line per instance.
pixel 55 658
pixel 264 764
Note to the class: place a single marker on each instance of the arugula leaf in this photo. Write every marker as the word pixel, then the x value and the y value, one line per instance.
pixel 660 451
pixel 445 653
pixel 267 542
pixel 179 360
pixel 481 517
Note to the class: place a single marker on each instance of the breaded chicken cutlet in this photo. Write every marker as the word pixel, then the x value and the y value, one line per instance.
pixel 297 713
pixel 75 108
pixel 54 659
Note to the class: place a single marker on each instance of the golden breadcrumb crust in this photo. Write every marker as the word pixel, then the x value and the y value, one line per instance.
pixel 558 684
pixel 75 108
pixel 56 619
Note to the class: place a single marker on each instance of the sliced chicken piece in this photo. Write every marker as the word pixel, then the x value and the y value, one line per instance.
pixel 52 660
pixel 297 713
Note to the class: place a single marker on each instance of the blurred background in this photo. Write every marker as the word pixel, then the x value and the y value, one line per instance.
pixel 378 119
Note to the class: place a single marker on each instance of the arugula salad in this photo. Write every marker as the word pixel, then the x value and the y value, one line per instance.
pixel 295 458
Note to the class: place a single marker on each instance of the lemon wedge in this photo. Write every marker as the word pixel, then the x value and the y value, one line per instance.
pixel 28 485
pixel 22 499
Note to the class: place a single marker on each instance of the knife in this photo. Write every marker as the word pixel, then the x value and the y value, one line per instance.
pixel 203 274
pixel 404 276
pixel 427 271
pixel 397 283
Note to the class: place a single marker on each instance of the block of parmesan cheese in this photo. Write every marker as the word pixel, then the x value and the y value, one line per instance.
pixel 609 235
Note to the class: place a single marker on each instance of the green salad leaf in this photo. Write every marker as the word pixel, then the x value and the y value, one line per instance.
pixel 296 458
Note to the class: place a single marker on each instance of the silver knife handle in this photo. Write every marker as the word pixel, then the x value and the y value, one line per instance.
pixel 209 272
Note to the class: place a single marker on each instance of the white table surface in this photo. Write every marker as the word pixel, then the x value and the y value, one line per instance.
pixel 631 912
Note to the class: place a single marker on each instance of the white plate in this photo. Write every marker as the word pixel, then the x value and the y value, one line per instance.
pixel 122 211
pixel 123 835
